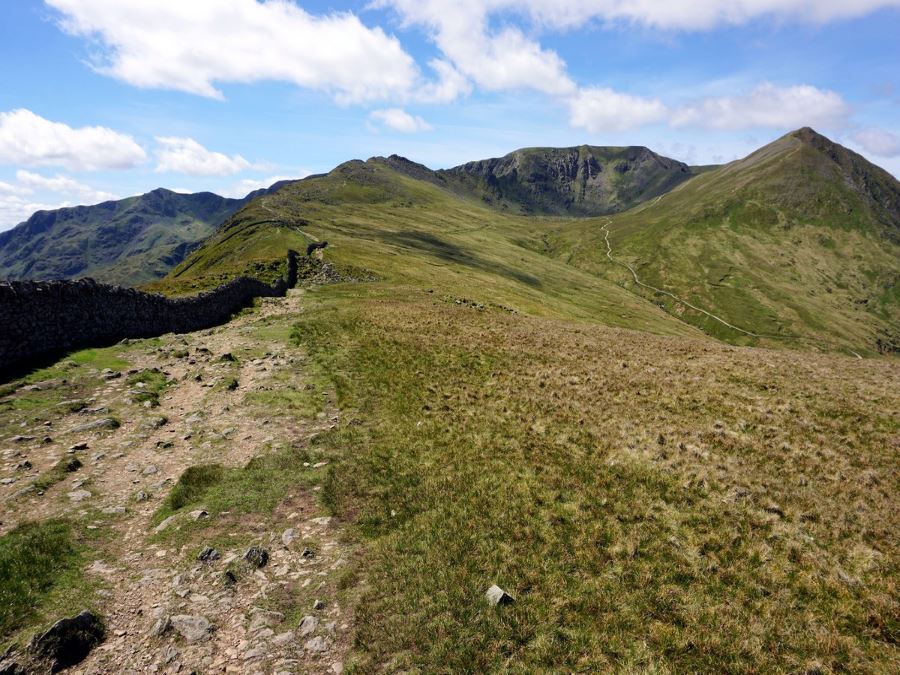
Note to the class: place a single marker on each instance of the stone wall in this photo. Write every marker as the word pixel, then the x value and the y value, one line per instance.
pixel 39 320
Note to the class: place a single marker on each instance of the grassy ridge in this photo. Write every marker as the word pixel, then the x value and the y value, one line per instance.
pixel 787 243
pixel 652 503
pixel 412 233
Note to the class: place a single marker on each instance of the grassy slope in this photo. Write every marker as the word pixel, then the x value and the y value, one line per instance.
pixel 411 233
pixel 654 504
pixel 779 244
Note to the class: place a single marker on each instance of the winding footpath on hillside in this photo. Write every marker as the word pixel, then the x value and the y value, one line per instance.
pixel 609 255
pixel 684 302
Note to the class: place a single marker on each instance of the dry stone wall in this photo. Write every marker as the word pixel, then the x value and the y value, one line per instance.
pixel 42 319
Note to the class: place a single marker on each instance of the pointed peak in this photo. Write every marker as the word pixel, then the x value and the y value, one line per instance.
pixel 810 135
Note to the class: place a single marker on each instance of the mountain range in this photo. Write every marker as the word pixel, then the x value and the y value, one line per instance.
pixel 139 239
pixel 795 245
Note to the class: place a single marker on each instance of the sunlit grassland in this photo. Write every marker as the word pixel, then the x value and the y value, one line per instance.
pixel 652 503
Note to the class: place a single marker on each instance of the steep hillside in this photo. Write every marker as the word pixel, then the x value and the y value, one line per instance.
pixel 580 181
pixel 797 243
pixel 127 242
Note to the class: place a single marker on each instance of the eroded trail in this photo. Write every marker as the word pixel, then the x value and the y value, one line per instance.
pixel 165 609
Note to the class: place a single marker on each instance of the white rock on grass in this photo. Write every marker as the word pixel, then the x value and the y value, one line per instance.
pixel 497 596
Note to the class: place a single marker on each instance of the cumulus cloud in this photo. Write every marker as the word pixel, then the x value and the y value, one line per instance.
pixel 191 46
pixel 598 110
pixel 30 140
pixel 878 142
pixel 400 120
pixel 766 106
pixel 185 155
pixel 63 185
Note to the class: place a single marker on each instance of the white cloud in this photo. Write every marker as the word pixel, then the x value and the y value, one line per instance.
pixel 193 45
pixel 505 59
pixel 878 142
pixel 400 120
pixel 248 185
pixel 30 140
pixel 15 209
pixel 63 185
pixel 10 189
pixel 598 110
pixel 767 106
pixel 450 85
pixel 185 155
pixel 663 14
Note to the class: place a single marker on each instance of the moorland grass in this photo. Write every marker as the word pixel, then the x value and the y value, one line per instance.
pixel 38 560
pixel 653 504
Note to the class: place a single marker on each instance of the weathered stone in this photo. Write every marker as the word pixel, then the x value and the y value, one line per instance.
pixel 316 645
pixel 96 425
pixel 69 640
pixel 497 596
pixel 79 495
pixel 256 556
pixel 307 626
pixel 160 626
pixel 192 628
pixel 78 446
pixel 208 554
pixel 164 524
pixel 288 536
pixel 198 514
pixel 283 638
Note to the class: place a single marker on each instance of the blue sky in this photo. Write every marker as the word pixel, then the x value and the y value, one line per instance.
pixel 109 98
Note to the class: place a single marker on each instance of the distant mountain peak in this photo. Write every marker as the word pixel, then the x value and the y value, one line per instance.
pixel 582 180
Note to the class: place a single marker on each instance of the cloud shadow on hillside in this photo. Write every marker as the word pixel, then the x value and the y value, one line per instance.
pixel 445 250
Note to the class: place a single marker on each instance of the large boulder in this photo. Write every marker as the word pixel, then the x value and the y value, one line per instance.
pixel 69 640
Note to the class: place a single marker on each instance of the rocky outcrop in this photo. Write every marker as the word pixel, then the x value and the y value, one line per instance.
pixel 41 319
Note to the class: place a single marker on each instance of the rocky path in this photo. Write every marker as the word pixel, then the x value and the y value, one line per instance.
pixel 268 604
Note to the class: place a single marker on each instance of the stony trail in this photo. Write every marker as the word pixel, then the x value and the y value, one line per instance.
pixel 165 610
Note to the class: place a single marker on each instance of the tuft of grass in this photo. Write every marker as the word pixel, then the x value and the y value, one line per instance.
pixel 154 382
pixel 191 486
pixel 57 473
pixel 37 561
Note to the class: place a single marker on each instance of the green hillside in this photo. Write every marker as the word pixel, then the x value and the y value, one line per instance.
pixel 410 232
pixel 799 244
pixel 124 242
